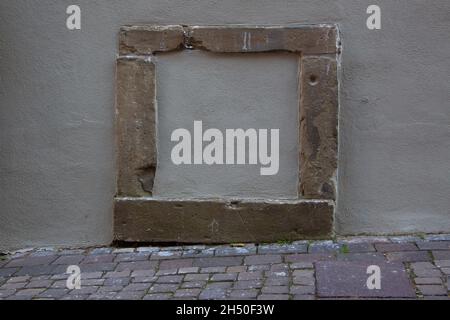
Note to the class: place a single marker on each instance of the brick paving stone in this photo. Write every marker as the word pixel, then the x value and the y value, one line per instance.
pixel 219 285
pixel 275 289
pixel 348 279
pixel 13 285
pixel 53 293
pixel 441 255
pixel 276 274
pixel 116 281
pixel 402 239
pixel 262 259
pixel 305 281
pixel 99 258
pixel 7 272
pixel 282 248
pixel 6 293
pixel 356 247
pixel 157 296
pixel 29 292
pixel 273 297
pixel 18 279
pixel 252 275
pixel 248 284
pixel 236 269
pixel 309 257
pixel 408 256
pixel 217 262
pixel 197 277
pixel 107 289
pixel 303 273
pixel 432 290
pixel 143 273
pixel 75 297
pixel 39 284
pixel 302 290
pixel 35 270
pixel 428 280
pixel 31 261
pixel 137 287
pixel 259 267
pixel 433 245
pixel 279 281
pixel 136 265
pixel 279 267
pixel 162 288
pixel 427 272
pixel 213 270
pixel 372 257
pixel 102 296
pixel 59 284
pixel 303 297
pixel 97 267
pixel 301 265
pixel 129 295
pixel 244 294
pixel 170 279
pixel 69 259
pixel 446 271
pixel 93 282
pixel 224 277
pixel 184 293
pixel 118 274
pixel 197 253
pixel 212 294
pixel 145 279
pixel 188 270
pixel 393 247
pixel 442 263
pixel 176 264
pixel 166 272
pixel 193 284
pixel 91 275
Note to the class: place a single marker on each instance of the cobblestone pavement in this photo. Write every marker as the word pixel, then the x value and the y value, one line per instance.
pixel 410 267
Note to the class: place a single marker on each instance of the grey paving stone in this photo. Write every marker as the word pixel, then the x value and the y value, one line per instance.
pixel 18 279
pixel 196 253
pixel 13 285
pixel 224 277
pixel 7 272
pixel 165 254
pixel 91 275
pixel 101 251
pixel 212 294
pixel 219 285
pixel 183 293
pixel 309 257
pixel 145 279
pixel 35 270
pixel 244 294
pixel 432 290
pixel 97 267
pixel 163 288
pixel 123 250
pixel 143 273
pixel 29 292
pixel 273 297
pixel 75 297
pixel 157 296
pixel 117 281
pixel 427 272
pixel 282 248
pixel 193 284
pixel 279 281
pixel 93 282
pixel 305 281
pixel 31 261
pixel 170 279
pixel 40 284
pixel 235 251
pixel 303 297
pixel 84 290
pixel 129 295
pixel 275 289
pixel 69 259
pixel 125 257
pixel 301 265
pixel 259 267
pixel 99 258
pixel 442 263
pixel 137 287
pixel 438 237
pixel 107 289
pixel 302 290
pixel 428 280
pixel 102 296
pixel 175 264
pixel 213 270
pixel 188 270
pixel 252 275
pixel 262 259
pixel 6 293
pixel 136 265
pixel 405 256
pixel 147 249
pixel 393 247
pixel 197 277
pixel 441 255
pixel 446 271
pixel 118 274
pixel 349 279
pixel 324 247
pixel 217 262
pixel 433 245
pixel 372 257
pixel 279 267
pixel 248 284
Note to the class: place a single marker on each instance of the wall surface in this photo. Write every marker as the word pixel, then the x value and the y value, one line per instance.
pixel 57 109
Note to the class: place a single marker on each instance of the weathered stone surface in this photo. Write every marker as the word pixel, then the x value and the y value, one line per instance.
pixel 307 39
pixel 348 279
pixel 318 127
pixel 241 38
pixel 135 126
pixel 149 39
pixel 219 221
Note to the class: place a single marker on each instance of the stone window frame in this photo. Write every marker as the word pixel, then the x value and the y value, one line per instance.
pixel 140 217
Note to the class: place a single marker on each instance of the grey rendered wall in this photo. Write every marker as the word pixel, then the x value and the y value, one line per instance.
pixel 57 97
